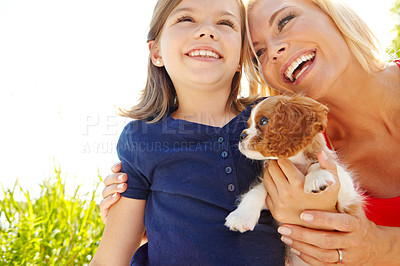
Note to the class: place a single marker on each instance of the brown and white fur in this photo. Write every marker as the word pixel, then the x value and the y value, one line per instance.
pixel 290 127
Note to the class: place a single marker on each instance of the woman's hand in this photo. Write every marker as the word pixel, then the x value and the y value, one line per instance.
pixel 286 197
pixel 360 241
pixel 114 185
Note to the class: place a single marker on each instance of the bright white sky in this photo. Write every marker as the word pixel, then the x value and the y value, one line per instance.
pixel 64 65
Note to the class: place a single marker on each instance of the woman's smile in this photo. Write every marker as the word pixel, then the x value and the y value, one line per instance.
pixel 297 66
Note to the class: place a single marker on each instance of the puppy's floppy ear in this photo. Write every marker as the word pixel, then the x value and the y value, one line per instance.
pixel 319 115
pixel 302 116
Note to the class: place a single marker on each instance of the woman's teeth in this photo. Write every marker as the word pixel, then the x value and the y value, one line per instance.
pixel 203 53
pixel 289 73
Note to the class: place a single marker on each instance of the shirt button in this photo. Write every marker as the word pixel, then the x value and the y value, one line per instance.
pixel 228 169
pixel 224 154
pixel 231 187
pixel 221 139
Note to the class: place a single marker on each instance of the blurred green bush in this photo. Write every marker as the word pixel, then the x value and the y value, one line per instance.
pixel 54 229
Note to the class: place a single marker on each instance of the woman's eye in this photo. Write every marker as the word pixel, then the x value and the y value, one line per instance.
pixel 254 60
pixel 282 22
pixel 259 53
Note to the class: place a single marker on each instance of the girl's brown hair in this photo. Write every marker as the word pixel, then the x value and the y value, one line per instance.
pixel 159 95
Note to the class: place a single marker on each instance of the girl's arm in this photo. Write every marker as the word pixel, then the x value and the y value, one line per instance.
pixel 123 233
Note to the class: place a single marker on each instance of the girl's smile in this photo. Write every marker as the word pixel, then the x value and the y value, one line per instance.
pixel 204 53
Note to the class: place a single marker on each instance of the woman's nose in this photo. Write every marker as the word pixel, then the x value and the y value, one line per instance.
pixel 277 51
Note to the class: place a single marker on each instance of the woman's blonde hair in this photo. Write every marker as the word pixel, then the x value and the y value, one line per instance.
pixel 361 41
pixel 159 95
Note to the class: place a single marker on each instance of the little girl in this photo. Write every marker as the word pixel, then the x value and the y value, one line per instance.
pixel 184 168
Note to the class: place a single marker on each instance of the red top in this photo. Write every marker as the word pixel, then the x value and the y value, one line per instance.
pixel 383 211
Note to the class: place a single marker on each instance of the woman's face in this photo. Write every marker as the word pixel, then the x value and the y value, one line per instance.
pixel 299 47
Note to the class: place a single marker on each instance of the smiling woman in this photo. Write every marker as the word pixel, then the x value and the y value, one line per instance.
pixel 351 77
pixel 317 40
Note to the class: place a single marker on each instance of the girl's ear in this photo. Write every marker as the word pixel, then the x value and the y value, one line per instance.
pixel 155 54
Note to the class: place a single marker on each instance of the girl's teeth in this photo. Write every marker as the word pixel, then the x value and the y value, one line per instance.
pixel 204 53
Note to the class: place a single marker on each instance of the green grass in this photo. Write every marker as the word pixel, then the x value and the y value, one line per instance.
pixel 54 229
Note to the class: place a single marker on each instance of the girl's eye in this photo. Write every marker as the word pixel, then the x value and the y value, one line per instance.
pixel 282 22
pixel 185 19
pixel 227 23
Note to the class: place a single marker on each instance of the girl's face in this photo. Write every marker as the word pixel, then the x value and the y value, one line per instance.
pixel 201 43
pixel 299 47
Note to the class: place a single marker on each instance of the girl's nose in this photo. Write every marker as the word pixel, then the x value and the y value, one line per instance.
pixel 207 31
pixel 203 34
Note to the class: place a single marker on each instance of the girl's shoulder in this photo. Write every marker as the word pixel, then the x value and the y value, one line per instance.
pixel 245 113
pixel 137 130
pixel 256 101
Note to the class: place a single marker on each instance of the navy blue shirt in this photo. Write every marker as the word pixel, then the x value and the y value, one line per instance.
pixel 191 176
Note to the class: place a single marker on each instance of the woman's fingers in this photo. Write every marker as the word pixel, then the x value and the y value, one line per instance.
pixel 313 255
pixel 333 221
pixel 106 203
pixel 276 174
pixel 269 184
pixel 292 173
pixel 114 185
pixel 114 188
pixel 117 178
pixel 329 257
pixel 116 167
pixel 325 162
pixel 313 245
pixel 313 238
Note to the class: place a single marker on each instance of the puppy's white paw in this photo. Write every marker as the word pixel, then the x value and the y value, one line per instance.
pixel 318 180
pixel 242 220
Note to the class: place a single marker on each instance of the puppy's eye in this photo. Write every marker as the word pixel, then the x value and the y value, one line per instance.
pixel 263 121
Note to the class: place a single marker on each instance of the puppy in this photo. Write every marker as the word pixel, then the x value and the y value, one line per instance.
pixel 290 127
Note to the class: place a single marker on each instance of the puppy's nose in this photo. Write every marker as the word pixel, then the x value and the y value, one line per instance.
pixel 243 136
